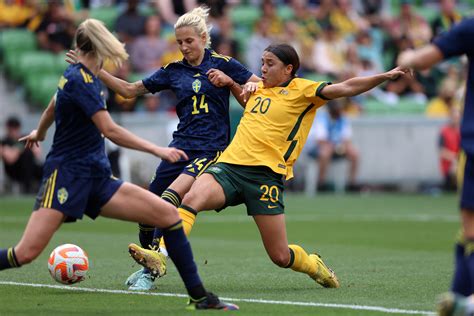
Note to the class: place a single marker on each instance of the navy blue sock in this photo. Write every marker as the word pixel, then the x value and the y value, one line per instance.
pixel 180 252
pixel 145 235
pixel 8 259
pixel 469 259
pixel 461 281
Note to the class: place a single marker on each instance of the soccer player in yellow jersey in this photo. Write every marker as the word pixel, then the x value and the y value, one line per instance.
pixel 270 136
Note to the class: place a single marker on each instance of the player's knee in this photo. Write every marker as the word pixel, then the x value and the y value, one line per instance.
pixel 280 259
pixel 168 216
pixel 191 198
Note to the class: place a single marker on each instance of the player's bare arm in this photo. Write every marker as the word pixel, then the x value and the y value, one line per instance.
pixel 124 138
pixel 358 85
pixel 39 134
pixel 122 87
pixel 420 59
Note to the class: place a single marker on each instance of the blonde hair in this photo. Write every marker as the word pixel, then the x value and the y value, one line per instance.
pixel 196 19
pixel 93 37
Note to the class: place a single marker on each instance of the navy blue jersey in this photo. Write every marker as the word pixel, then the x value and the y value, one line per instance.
pixel 202 108
pixel 459 41
pixel 78 145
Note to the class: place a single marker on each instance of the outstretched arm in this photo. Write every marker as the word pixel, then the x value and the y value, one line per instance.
pixel 358 85
pixel 220 79
pixel 125 138
pixel 420 59
pixel 122 87
pixel 39 134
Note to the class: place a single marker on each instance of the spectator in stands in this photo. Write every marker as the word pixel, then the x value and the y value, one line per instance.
pixel 130 24
pixel 442 106
pixel 409 25
pixel 117 102
pixel 407 85
pixel 56 30
pixel 305 17
pixel 21 164
pixel 332 133
pixel 170 10
pixel 258 41
pixel 323 12
pixel 446 18
pixel 449 148
pixel 151 103
pixel 16 14
pixel 269 11
pixel 346 20
pixel 329 53
pixel 375 12
pixel 222 38
pixel 147 50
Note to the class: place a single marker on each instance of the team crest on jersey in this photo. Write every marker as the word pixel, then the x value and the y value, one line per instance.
pixel 196 85
pixel 62 195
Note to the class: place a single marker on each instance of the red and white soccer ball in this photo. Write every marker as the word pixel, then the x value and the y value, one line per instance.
pixel 68 264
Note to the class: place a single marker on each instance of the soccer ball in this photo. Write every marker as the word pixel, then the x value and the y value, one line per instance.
pixel 68 264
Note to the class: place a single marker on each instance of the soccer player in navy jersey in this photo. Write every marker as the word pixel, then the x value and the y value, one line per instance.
pixel 456 42
pixel 202 107
pixel 77 175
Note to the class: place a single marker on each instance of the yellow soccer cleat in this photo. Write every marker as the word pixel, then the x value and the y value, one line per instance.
pixel 324 275
pixel 151 259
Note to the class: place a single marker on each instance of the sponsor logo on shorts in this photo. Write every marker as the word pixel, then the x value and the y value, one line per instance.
pixel 272 206
pixel 215 169
pixel 62 195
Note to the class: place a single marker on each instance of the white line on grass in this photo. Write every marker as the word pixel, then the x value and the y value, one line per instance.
pixel 247 300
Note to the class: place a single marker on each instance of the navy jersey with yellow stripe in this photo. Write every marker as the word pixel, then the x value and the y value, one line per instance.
pixel 78 145
pixel 202 108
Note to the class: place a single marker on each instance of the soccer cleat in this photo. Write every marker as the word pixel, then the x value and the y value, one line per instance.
pixel 151 259
pixel 450 304
pixel 211 301
pixel 143 283
pixel 133 277
pixel 324 275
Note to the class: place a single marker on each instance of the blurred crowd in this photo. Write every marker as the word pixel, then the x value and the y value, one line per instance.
pixel 336 39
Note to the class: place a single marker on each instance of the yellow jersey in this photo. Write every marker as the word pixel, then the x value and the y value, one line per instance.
pixel 275 126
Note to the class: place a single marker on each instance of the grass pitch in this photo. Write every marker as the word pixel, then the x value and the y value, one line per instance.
pixel 392 254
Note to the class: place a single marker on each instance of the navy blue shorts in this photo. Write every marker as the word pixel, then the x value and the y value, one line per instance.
pixel 75 196
pixel 166 172
pixel 467 193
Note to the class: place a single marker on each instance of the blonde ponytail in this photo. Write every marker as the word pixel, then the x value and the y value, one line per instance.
pixel 93 37
pixel 197 19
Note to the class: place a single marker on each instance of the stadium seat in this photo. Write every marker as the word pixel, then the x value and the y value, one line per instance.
pixel 285 12
pixel 40 88
pixel 16 40
pixel 34 62
pixel 244 16
pixel 108 15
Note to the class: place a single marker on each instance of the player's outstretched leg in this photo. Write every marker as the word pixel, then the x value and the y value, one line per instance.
pixel 451 304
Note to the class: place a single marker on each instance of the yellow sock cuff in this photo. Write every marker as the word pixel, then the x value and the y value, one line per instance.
pixel 188 219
